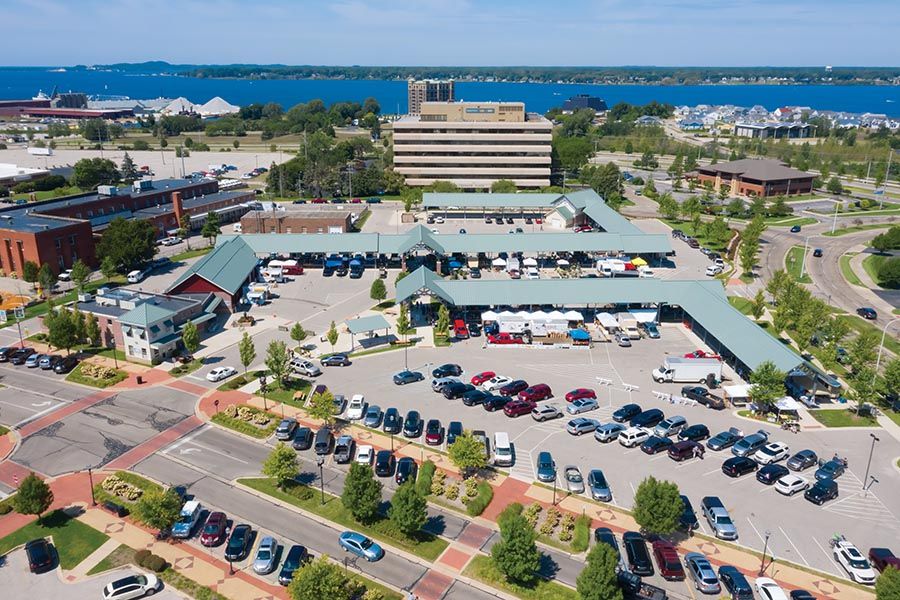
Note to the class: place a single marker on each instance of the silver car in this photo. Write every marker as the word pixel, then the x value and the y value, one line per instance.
pixel 266 553
pixel 544 412
pixel 608 432
pixel 574 480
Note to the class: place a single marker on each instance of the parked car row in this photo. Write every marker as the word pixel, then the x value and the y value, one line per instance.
pixel 32 359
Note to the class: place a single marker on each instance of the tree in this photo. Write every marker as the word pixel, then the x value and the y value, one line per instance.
pixel 749 250
pixel 332 335
pixel 128 170
pixel 442 326
pixel 735 208
pixel 184 229
pixel 33 497
pixel 606 179
pixel 81 274
pixel 88 173
pixel 362 493
pixel 516 555
pixel 834 186
pixel 572 153
pixel 408 510
pixel 79 325
pixel 887 587
pixel 129 243
pixel 108 268
pixel 321 406
pixel 92 330
pixel 317 580
pixel 891 378
pixel 598 580
pixel 30 272
pixel 277 360
pixel 47 278
pixel 889 273
pixel 668 206
pixel 862 351
pixel 503 186
pixel 281 464
pixel 158 508
pixel 403 319
pixel 767 385
pixel 378 291
pixel 864 387
pixel 650 188
pixel 211 228
pixel 467 453
pixel 690 207
pixel 777 284
pixel 298 334
pixel 190 337
pixel 247 351
pixel 61 329
pixel 758 305
pixel 657 506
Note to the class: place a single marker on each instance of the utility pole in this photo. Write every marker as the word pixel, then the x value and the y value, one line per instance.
pixel 887 175
pixel 803 259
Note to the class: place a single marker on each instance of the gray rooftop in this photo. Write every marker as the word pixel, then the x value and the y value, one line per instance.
pixel 192 203
pixel 366 324
pixel 764 169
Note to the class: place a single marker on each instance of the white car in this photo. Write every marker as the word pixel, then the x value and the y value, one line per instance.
pixel 495 383
pixel 634 436
pixel 439 219
pixel 532 273
pixel 356 408
pixel 170 241
pixel 365 454
pixel 713 270
pixel 65 275
pixel 544 412
pixel 220 373
pixel 134 586
pixel 772 453
pixel 791 484
pixel 769 590
pixel 856 565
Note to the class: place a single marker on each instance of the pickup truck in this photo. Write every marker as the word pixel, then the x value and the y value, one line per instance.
pixel 633 588
pixel 505 338
pixel 718 518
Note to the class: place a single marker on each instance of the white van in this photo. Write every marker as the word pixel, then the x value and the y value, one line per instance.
pixel 635 436
pixel 136 276
pixel 237 228
pixel 503 454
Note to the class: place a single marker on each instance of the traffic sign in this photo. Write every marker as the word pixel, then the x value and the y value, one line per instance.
pixel 3 317
pixel 20 312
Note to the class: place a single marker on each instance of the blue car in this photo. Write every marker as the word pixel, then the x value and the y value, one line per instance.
pixel 582 405
pixel 546 468
pixel 651 330
pixel 360 545
pixel 404 377
pixel 735 583
pixel 831 470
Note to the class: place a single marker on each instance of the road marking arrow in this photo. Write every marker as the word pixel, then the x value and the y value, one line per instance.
pixel 41 404
pixel 188 450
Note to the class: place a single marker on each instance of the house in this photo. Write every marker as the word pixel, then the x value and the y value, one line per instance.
pixel 224 272
pixel 648 121
pixel 690 125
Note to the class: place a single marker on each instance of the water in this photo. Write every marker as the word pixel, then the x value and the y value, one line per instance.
pixel 17 83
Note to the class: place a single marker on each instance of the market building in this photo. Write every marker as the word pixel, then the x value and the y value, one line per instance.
pixel 752 177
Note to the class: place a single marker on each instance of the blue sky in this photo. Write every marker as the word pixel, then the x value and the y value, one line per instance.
pixel 453 32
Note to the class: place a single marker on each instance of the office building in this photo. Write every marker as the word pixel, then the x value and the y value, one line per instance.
pixel 427 91
pixel 579 101
pixel 755 177
pixel 776 130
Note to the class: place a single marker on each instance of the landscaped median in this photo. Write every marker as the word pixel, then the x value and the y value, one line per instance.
pixel 98 376
pixel 74 541
pixel 482 568
pixel 247 420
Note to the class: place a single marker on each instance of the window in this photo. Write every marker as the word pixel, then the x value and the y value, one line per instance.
pixel 143 351
pixel 58 242
pixel 61 262
pixel 72 239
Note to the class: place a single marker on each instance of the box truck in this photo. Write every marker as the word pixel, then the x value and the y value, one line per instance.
pixel 684 370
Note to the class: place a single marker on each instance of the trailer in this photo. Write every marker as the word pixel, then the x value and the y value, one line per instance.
pixel 687 370
pixel 629 324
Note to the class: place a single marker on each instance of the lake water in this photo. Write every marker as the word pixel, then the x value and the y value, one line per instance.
pixel 18 83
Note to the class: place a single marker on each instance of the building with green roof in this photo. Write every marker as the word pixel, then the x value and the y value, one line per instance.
pixel 224 272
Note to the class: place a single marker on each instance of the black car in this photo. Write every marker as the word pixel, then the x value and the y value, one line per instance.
pixel 801 595
pixel 702 396
pixel 40 556
pixel 739 465
pixel 817 253
pixel 604 535
pixel 867 313
pixel 474 329
pixel 303 438
pixel 20 356
pixel 769 474
pixel 295 558
pixel 324 441
pixel 694 433
pixel 493 403
pixel 656 444
pixel 474 273
pixel 454 430
pixel 384 463
pixel 5 352
pixel 636 551
pixel 412 425
pixel 735 583
pixel 648 418
pixel 475 397
pixel 406 470
pixel 457 389
pixel 239 542
pixel 65 364
pixel 447 370
pixel 336 360
pixel 404 377
pixel 626 413
pixel 513 387
pixel 392 422
pixel 822 491
pixel 688 520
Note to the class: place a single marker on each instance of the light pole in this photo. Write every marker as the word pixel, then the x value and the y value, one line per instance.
pixel 881 346
pixel 869 464
pixel 762 562
pixel 554 491
pixel 91 482
pixel 837 203
pixel 321 462
pixel 262 388
pixel 803 258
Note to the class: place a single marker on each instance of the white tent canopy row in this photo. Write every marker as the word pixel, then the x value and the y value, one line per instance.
pixel 538 322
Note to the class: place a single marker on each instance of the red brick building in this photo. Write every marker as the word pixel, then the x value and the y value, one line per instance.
pixel 755 177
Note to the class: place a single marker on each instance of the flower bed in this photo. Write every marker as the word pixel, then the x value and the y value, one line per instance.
pixel 96 375
pixel 247 419
pixel 117 487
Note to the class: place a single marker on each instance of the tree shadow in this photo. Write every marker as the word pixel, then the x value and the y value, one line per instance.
pixel 548 567
pixel 435 524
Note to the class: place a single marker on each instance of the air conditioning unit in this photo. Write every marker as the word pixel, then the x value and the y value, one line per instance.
pixel 107 190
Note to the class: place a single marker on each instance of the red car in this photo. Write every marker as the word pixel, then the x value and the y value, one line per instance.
pixel 319 201
pixel 505 338
pixel 536 393
pixel 583 229
pixel 702 354
pixel 460 330
pixel 579 393
pixel 882 558
pixel 517 408
pixel 513 387
pixel 356 201
pixel 214 530
pixel 482 377
pixel 667 559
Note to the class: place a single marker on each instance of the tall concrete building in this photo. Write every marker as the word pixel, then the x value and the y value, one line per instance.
pixel 427 91
pixel 473 144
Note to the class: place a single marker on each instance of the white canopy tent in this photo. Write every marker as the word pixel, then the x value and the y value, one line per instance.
pixel 607 321
pixel 574 315
pixel 498 262
pixel 529 262
pixel 489 316
pixel 644 315
pixel 562 263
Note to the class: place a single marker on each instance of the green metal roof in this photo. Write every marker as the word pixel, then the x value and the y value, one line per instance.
pixel 226 267
pixel 608 219
pixel 145 314
pixel 366 324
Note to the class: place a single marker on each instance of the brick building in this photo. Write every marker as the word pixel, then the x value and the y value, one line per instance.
pixel 306 221
pixel 755 177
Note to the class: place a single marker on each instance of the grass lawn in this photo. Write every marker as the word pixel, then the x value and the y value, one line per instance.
pixel 426 545
pixel 48 194
pixel 842 418
pixel 441 341
pixel 286 390
pixel 123 555
pixel 847 270
pixel 3 430
pixel 191 254
pixel 245 427
pixel 793 262
pixel 482 568
pixel 358 226
pixel 77 376
pixel 855 228
pixel 789 222
pixel 379 350
pixel 182 370
pixel 872 263
pixel 860 325
pixel 742 304
pixel 74 541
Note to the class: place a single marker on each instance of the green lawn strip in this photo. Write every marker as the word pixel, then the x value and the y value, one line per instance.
pixel 441 341
pixel 123 555
pixel 854 228
pixel 793 262
pixel 742 304
pixel 3 430
pixel 241 426
pixel 872 264
pixel 74 541
pixel 842 418
pixel 191 254
pixel 859 326
pixel 869 213
pixel 380 350
pixel 426 545
pixel 182 370
pixel 286 390
pixel 782 222
pixel 240 381
pixel 101 495
pixel 48 194
pixel 384 305
pixel 361 222
pixel 847 270
pixel 77 376
pixel 482 568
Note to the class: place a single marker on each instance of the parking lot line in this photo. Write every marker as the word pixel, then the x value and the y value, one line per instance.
pixel 711 472
pixel 837 569
pixel 791 542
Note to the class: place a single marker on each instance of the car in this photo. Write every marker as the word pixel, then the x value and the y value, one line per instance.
pixel 650 329
pixel 296 557
pixel 286 429
pixel 546 468
pixel 688 520
pixel 626 413
pixel 636 552
pixel 604 535
pixel 412 424
pixel 723 439
pixel 771 453
pixel 832 469
pixel 608 432
pixel 481 378
pixel 867 313
pixel 133 586
pixel 735 583
pixel 789 485
pixel 574 480
pixel 457 389
pixel 518 407
pixel 496 382
pixel 802 460
pixel 303 438
pixel 266 556
pixel 667 560
pixel 882 558
pixel 454 430
pixel 475 397
pixel 336 360
pixel 702 396
pixel 536 393
pixel 579 393
pixel 20 356
pixel 695 433
pixel 475 273
pixel 404 377
pixel 852 561
pixel 213 532
pixel 434 432
pixel 364 454
pixel 546 412
pixel 220 373
pixel 65 275
pixel 187 519
pixel 623 340
pixel 305 367
pixel 670 426
pixel 704 576
pixel 384 463
pixel 39 555
pixel 795 229
pixel 801 595
pixel 713 270
pixel 737 466
pixel 599 488
pixel 718 518
pixel 822 491
pixel 633 436
pixel 648 418
pixel 771 473
pixel 582 405
pixel 33 361
pixel 513 387
pixel 356 408
pixel 438 384
pixel 769 590
pixel 686 449
pixel 493 403
pixel 817 253
pixel 407 469
pixel 581 425
pixel 338 403
pixel 504 338
pixel 65 364
pixel 656 444
pixel 48 361
pixel 357 543
pixel 373 415
pixel 701 354
pixel 447 370
pixel 392 422
pixel 748 445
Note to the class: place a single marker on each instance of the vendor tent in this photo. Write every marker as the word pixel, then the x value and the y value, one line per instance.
pixel 529 262
pixel 498 262
pixel 639 262
pixel 562 263
pixel 644 315
pixel 574 315
pixel 579 334
pixel 455 264
pixel 607 321
pixel 787 404
pixel 489 316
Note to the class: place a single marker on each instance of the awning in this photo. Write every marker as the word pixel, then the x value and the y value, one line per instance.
pixel 165 341
pixel 455 264
pixel 489 316
pixel 737 391
pixel 579 334
pixel 203 318
pixel 366 324
pixel 787 403
pixel 498 262
pixel 562 262
pixel 529 262
pixel 639 262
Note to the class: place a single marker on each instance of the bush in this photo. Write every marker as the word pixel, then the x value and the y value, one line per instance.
pixel 299 491
pixel 532 512
pixel 5 509
pixel 485 493
pixel 568 524
pixel 582 536
pixel 117 487
pixel 424 481
pixel 452 492
pixel 155 563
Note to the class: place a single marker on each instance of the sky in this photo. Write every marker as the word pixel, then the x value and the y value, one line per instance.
pixel 453 32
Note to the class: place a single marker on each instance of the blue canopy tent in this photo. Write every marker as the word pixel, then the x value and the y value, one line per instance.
pixel 579 335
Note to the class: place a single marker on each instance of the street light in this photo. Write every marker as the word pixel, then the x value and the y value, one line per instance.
pixel 869 464
pixel 321 462
pixel 91 482
pixel 762 562
pixel 803 258
pixel 881 347
pixel 262 388
pixel 554 491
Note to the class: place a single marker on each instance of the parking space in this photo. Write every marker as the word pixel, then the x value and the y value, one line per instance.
pixel 28 394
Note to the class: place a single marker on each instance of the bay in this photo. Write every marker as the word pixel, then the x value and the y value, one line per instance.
pixel 20 82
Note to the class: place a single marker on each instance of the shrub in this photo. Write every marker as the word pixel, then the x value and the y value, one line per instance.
pixel 568 524
pixel 582 536
pixel 300 492
pixel 117 487
pixel 424 485
pixel 141 557
pixel 550 521
pixel 5 509
pixel 471 488
pixel 485 493
pixel 532 512
pixel 452 492
pixel 155 563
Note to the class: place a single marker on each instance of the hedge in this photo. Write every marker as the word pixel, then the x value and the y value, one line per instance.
pixel 480 502
pixel 426 476
pixel 582 538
